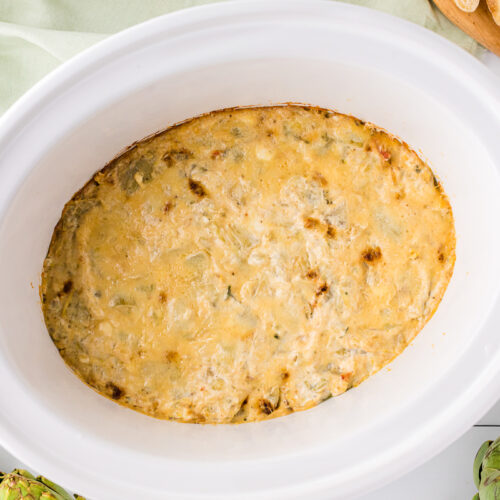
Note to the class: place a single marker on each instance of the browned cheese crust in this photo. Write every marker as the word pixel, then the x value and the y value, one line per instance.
pixel 246 264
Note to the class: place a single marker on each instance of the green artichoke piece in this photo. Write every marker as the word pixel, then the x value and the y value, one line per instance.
pixel 491 458
pixel 20 484
pixel 486 471
pixel 489 489
pixel 55 487
pixel 478 462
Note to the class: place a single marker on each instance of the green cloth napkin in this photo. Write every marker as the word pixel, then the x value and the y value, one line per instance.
pixel 38 35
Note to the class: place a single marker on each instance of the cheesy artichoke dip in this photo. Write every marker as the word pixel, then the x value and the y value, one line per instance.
pixel 246 264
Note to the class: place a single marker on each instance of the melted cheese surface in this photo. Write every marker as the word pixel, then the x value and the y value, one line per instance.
pixel 246 264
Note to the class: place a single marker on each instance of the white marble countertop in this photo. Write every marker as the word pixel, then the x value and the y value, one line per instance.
pixel 448 476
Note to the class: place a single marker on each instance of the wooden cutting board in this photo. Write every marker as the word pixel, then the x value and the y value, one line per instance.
pixel 479 24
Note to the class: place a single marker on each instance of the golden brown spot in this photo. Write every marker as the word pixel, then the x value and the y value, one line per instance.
pixel 322 290
pixel 163 297
pixel 241 409
pixel 68 286
pixel 440 256
pixel 312 274
pixel 331 232
pixel 319 179
pixel 114 391
pixel 266 406
pixel 168 206
pixel 197 188
pixel 311 223
pixel 346 376
pixel 372 254
pixel 285 376
pixel 172 356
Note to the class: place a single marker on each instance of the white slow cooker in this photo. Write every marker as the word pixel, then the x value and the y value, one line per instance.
pixel 411 82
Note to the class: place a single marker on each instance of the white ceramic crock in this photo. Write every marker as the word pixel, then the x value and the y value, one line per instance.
pixel 413 83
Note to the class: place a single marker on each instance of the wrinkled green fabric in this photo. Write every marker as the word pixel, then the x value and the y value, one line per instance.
pixel 38 35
